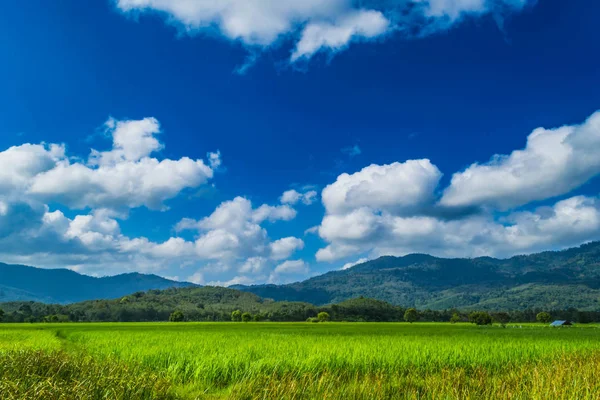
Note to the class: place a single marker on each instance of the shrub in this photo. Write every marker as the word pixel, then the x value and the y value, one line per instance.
pixel 455 318
pixel 177 316
pixel 246 317
pixel 236 316
pixel 258 317
pixel 480 318
pixel 323 316
pixel 544 318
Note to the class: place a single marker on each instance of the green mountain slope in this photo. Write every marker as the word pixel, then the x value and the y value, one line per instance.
pixel 196 303
pixel 569 278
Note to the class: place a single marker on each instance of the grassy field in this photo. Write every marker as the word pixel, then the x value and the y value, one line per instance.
pixel 298 361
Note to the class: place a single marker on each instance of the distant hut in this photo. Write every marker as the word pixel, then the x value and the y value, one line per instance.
pixel 561 323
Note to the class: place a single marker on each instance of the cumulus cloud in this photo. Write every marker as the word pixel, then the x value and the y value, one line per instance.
pixel 19 165
pixel 110 183
pixel 254 266
pixel 122 178
pixel 398 186
pixel 230 239
pixel 315 25
pixel 365 24
pixel 568 223
pixel 89 243
pixel 293 197
pixel 284 248
pixel 233 233
pixel 394 209
pixel 554 162
pixel 273 213
pixel 289 271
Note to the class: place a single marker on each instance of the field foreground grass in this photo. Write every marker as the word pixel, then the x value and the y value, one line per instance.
pixel 298 361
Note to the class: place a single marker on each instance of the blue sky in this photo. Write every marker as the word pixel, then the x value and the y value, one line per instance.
pixel 374 112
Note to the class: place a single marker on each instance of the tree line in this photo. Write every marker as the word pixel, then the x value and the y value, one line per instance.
pixel 219 304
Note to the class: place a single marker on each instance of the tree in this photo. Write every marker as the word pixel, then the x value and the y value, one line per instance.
pixel 258 317
pixel 246 317
pixel 502 318
pixel 411 315
pixel 236 316
pixel 177 316
pixel 323 316
pixel 480 318
pixel 26 309
pixel 1 314
pixel 455 318
pixel 543 318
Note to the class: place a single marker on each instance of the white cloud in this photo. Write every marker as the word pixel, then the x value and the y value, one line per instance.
pixel 132 141
pixel 310 197
pixel 284 248
pixel 273 213
pixel 20 164
pixel 88 243
pixel 108 184
pixel 314 25
pixel 238 280
pixel 254 265
pixel 254 22
pixel 398 186
pixel 454 9
pixel 293 197
pixel 366 24
pixel 392 209
pixel 568 223
pixel 197 278
pixel 233 232
pixel 289 271
pixel 229 240
pixel 122 178
pixel 554 162
pixel 352 264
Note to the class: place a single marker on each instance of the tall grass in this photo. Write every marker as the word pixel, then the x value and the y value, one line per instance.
pixel 48 375
pixel 349 361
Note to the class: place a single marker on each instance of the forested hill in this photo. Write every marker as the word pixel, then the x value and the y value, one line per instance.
pixel 21 283
pixel 569 278
pixel 195 304
pixel 549 280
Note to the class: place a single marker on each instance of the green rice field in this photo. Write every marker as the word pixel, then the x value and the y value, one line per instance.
pixel 298 361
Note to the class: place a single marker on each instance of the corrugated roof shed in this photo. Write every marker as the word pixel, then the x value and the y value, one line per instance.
pixel 561 323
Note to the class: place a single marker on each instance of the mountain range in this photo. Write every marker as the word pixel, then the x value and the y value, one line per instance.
pixel 62 286
pixel 549 280
pixel 553 279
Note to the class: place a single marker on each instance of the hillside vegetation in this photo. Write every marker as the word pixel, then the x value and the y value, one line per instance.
pixel 546 281
pixel 564 279
pixel 219 304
